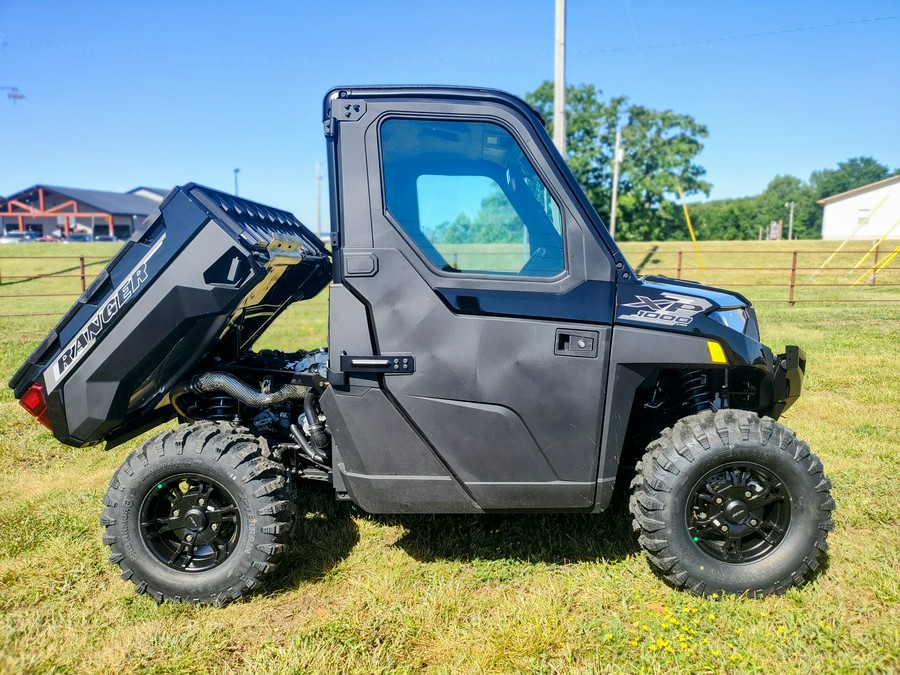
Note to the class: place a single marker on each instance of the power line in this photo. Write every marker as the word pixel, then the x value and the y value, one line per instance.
pixel 744 36
pixel 454 58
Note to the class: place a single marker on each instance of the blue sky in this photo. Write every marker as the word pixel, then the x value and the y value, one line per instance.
pixel 160 93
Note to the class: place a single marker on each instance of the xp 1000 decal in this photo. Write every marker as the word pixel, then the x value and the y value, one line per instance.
pixel 100 322
pixel 670 309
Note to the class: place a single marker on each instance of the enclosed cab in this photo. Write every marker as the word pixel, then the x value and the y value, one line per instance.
pixel 489 350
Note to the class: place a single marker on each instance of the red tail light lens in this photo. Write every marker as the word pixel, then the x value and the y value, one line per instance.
pixel 35 402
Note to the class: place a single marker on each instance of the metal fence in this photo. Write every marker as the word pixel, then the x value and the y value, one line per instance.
pixel 836 282
pixel 798 273
pixel 14 271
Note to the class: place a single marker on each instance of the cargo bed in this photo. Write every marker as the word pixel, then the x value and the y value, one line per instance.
pixel 199 282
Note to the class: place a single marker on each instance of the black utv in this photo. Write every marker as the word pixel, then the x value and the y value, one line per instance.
pixel 490 350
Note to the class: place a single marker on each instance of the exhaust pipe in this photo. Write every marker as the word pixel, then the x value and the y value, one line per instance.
pixel 235 388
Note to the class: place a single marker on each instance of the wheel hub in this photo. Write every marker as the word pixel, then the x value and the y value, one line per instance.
pixel 738 512
pixel 195 519
pixel 190 523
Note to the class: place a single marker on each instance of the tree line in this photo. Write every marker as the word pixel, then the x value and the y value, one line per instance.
pixel 742 218
pixel 660 151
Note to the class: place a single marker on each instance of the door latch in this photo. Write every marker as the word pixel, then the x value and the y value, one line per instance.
pixel 580 343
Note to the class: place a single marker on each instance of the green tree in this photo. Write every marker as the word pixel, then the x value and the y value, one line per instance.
pixel 495 223
pixel 727 218
pixel 742 218
pixel 773 205
pixel 850 174
pixel 659 147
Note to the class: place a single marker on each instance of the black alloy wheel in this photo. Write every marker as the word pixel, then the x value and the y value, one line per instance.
pixel 198 514
pixel 739 512
pixel 190 522
pixel 728 502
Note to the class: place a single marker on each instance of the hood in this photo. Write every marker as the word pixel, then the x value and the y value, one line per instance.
pixel 673 303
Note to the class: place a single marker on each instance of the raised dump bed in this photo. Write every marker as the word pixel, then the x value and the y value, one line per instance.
pixel 197 284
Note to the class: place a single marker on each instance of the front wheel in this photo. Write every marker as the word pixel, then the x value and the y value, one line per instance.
pixel 197 514
pixel 726 502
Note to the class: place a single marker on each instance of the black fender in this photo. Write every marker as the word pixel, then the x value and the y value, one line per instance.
pixel 635 354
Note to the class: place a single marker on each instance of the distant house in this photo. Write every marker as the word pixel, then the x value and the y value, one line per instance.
pixel 868 212
pixel 155 194
pixel 60 211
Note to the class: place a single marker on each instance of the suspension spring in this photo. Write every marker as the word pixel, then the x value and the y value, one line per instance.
pixel 221 408
pixel 695 390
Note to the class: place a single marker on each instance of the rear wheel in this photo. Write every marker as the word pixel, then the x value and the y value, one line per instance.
pixel 197 514
pixel 727 502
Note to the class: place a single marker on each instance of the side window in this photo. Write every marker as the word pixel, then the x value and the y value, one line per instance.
pixel 470 199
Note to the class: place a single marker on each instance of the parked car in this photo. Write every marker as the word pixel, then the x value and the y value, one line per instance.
pixel 49 239
pixel 78 238
pixel 17 237
pixel 106 238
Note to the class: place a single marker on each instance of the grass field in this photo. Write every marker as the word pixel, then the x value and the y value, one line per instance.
pixel 539 593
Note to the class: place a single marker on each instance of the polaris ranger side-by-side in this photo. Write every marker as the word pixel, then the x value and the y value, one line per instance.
pixel 489 350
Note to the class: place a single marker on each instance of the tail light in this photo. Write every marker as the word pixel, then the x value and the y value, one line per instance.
pixel 35 402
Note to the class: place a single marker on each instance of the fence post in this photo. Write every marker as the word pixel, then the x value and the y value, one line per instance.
pixel 875 266
pixel 793 278
pixel 81 265
pixel 678 273
pixel 456 261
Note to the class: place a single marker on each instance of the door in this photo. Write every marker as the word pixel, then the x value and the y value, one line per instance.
pixel 485 282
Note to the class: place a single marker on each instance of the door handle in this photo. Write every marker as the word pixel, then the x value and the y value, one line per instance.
pixel 389 364
pixel 580 343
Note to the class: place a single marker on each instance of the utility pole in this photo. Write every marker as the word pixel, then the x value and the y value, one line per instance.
pixel 559 82
pixel 236 172
pixel 791 205
pixel 318 199
pixel 14 93
pixel 617 160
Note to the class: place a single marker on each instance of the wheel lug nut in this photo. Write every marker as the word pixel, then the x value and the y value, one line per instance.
pixel 724 528
pixel 215 526
pixel 701 515
pixel 754 522
pixel 200 501
pixel 748 494
pixel 175 513
pixel 718 500
pixel 189 538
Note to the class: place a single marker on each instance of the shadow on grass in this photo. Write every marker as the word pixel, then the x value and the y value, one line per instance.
pixel 323 535
pixel 552 538
pixel 326 533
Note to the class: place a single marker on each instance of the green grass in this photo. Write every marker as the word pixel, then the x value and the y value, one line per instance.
pixel 542 593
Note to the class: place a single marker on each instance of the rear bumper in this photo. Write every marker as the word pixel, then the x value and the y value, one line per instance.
pixel 790 368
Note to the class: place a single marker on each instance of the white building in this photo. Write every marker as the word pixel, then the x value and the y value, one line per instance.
pixel 867 213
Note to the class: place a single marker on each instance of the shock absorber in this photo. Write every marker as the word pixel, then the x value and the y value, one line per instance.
pixel 695 390
pixel 221 408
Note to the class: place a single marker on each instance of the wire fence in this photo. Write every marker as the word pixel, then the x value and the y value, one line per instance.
pixel 44 285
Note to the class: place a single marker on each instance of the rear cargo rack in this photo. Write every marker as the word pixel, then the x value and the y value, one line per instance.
pixel 205 275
